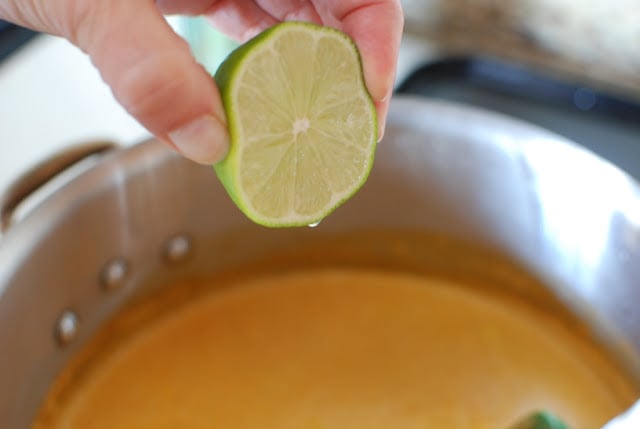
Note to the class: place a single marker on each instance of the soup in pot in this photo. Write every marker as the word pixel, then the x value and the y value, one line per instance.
pixel 340 348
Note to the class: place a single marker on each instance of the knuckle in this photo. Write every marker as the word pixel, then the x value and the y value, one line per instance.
pixel 154 89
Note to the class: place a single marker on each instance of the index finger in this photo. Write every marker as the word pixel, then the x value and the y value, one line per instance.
pixel 376 28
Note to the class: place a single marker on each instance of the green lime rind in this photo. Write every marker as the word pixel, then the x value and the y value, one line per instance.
pixel 228 169
pixel 540 420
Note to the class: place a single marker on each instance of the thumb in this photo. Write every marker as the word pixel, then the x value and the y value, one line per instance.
pixel 153 74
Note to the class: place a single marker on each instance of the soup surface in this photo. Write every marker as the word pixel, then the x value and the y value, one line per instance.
pixel 346 349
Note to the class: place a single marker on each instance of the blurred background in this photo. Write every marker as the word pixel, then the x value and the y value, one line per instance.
pixel 572 66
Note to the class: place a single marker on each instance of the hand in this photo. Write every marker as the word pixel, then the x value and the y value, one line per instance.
pixel 153 75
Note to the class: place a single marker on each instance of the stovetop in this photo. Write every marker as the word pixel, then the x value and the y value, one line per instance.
pixel 606 124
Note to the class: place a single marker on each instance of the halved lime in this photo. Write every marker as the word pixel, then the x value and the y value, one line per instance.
pixel 302 124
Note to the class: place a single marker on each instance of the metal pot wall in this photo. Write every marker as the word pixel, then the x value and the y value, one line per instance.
pixel 143 213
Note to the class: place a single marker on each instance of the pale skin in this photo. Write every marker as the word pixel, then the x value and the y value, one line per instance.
pixel 153 75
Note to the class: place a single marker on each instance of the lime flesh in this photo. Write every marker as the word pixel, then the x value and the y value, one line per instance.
pixel 302 125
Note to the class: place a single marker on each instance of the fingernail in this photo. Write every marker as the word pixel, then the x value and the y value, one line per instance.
pixel 382 108
pixel 204 140
pixel 386 97
pixel 381 130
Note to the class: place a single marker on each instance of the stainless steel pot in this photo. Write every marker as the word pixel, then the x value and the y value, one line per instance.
pixel 140 213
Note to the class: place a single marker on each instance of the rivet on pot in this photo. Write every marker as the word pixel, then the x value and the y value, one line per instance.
pixel 177 249
pixel 66 329
pixel 114 273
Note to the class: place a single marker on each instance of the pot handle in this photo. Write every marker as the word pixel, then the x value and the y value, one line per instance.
pixel 42 173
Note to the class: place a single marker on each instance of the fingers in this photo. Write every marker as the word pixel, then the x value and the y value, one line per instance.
pixel 184 7
pixel 291 10
pixel 240 20
pixel 153 75
pixel 235 17
pixel 376 28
